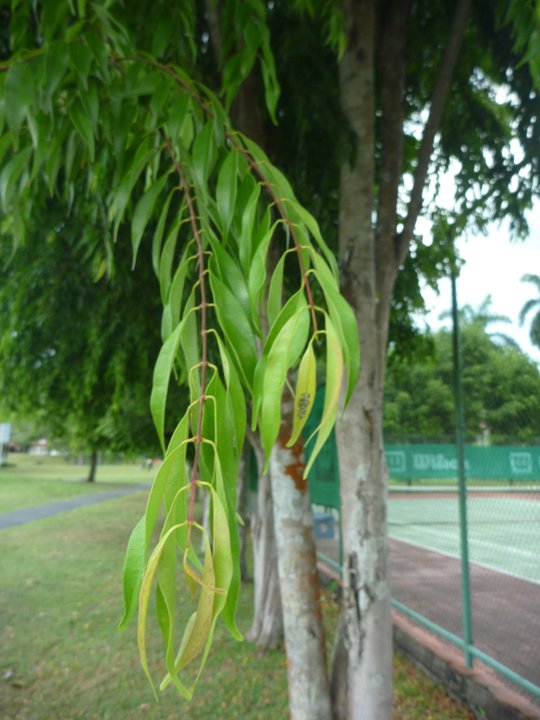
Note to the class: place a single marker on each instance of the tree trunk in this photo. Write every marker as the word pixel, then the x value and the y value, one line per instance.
pixel 309 696
pixel 362 669
pixel 267 628
pixel 371 252
pixel 362 663
pixel 93 466
pixel 242 509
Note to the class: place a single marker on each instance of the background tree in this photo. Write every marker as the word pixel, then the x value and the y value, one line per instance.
pixel 381 121
pixel 531 307
pixel 390 91
pixel 78 348
pixel 155 147
pixel 501 388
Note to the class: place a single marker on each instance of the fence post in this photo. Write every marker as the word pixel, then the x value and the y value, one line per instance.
pixel 462 481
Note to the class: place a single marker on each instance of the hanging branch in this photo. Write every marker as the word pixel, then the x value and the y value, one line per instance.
pixel 233 282
pixel 204 334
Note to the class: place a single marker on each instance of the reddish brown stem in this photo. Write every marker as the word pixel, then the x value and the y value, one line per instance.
pixel 279 204
pixel 204 335
pixel 253 165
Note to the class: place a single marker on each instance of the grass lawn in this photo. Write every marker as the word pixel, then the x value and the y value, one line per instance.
pixel 62 658
pixel 31 480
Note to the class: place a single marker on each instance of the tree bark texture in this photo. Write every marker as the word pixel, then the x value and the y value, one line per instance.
pixel 309 697
pixel 362 665
pixel 371 252
pixel 267 628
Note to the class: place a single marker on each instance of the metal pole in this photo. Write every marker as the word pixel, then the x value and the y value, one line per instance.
pixel 462 481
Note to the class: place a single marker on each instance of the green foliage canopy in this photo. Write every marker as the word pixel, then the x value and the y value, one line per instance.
pixel 501 389
pixel 94 105
pixel 77 349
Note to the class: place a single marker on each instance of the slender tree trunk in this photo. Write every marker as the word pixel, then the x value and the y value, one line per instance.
pixel 309 696
pixel 242 509
pixel 93 466
pixel 362 664
pixel 371 252
pixel 267 628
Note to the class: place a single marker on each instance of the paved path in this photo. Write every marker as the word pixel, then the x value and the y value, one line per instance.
pixel 25 515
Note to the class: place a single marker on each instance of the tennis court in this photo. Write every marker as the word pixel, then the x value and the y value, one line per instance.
pixel 504 550
pixel 503 526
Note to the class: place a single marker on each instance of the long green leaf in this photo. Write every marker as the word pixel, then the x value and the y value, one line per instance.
pixel 143 212
pixel 203 156
pixel 344 321
pixel 162 374
pixel 133 570
pixel 236 328
pixel 334 377
pixel 83 125
pixel 284 349
pixel 226 190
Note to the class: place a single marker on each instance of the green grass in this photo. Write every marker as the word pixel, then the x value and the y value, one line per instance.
pixel 63 659
pixel 30 480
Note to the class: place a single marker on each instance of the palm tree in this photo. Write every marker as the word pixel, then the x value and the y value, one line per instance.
pixel 532 306
pixel 481 318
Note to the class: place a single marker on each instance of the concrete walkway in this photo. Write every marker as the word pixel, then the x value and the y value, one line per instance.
pixel 25 515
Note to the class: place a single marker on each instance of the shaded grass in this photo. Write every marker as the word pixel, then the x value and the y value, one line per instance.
pixel 31 480
pixel 62 657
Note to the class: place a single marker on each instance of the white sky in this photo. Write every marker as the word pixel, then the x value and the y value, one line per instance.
pixel 494 265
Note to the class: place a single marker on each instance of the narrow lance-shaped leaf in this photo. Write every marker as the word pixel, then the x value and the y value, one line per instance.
pixel 285 349
pixel 334 378
pixel 144 598
pixel 305 392
pixel 226 190
pixel 143 212
pixel 133 570
pixel 344 320
pixel 83 125
pixel 162 374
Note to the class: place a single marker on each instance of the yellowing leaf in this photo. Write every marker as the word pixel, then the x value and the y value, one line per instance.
pixel 305 392
pixel 144 598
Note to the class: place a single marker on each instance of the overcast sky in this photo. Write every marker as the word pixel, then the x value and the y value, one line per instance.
pixel 494 265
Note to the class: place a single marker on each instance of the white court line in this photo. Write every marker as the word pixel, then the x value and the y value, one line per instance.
pixel 486 543
pixel 472 562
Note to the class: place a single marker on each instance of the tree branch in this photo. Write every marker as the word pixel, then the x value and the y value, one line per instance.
pixel 357 93
pixel 204 333
pixel 255 167
pixel 391 71
pixel 439 96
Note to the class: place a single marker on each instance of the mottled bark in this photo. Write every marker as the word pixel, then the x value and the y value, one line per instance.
pixel 362 669
pixel 267 627
pixel 309 697
pixel 371 251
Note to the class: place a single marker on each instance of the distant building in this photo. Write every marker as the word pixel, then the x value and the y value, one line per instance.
pixel 38 447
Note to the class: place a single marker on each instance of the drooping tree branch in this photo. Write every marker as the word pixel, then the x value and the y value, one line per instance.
pixel 279 203
pixel 204 333
pixel 439 96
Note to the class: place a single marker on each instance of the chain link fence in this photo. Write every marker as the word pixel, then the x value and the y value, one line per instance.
pixel 464 498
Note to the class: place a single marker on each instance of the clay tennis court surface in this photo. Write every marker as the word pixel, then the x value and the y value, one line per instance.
pixel 505 604
pixel 505 609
